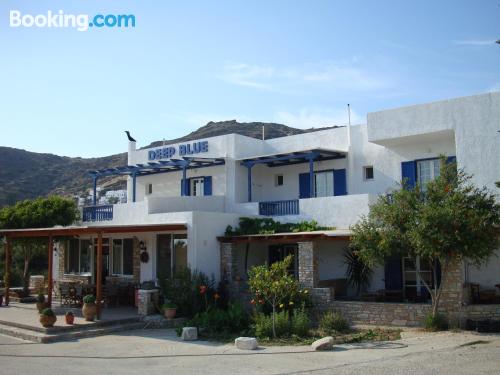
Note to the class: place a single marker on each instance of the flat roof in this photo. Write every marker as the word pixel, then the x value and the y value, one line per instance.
pixel 77 230
pixel 337 234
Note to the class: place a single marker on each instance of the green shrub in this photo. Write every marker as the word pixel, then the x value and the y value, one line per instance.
pixel 263 325
pixel 211 322
pixel 169 305
pixel 300 322
pixel 47 312
pixel 332 322
pixel 69 313
pixel 237 317
pixel 435 323
pixel 89 298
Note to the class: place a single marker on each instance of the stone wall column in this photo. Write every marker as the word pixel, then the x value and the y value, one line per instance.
pixel 136 260
pixel 308 265
pixel 453 294
pixel 229 268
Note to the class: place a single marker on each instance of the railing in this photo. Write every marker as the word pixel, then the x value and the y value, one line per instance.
pixel 98 213
pixel 279 208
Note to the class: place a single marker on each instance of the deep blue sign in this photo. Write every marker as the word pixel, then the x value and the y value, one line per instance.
pixel 184 150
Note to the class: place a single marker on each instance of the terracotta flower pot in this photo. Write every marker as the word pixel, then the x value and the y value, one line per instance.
pixel 170 312
pixel 69 319
pixel 89 311
pixel 48 320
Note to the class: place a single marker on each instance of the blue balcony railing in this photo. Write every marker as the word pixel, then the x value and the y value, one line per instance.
pixel 279 208
pixel 98 213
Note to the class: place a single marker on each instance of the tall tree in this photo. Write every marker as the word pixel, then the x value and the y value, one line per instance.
pixel 449 218
pixel 37 213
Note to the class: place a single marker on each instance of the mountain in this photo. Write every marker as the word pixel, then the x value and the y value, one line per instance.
pixel 25 175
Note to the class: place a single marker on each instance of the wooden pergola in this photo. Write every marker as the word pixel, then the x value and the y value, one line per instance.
pixel 52 233
pixel 290 237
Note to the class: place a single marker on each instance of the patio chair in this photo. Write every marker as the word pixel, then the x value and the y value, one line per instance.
pixel 111 294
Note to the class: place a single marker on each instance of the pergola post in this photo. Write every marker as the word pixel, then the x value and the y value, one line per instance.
pixel 134 185
pixel 184 181
pixel 249 179
pixel 94 200
pixel 99 275
pixel 50 272
pixel 311 177
pixel 8 249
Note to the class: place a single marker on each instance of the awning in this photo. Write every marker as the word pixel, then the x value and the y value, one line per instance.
pixel 296 157
pixel 81 230
pixel 290 237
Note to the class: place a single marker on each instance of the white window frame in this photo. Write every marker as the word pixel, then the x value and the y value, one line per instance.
pixel 418 279
pixel 365 178
pixel 192 185
pixel 330 174
pixel 276 179
pixel 432 171
pixel 112 258
pixel 66 260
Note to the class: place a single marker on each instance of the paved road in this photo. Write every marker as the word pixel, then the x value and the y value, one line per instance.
pixel 160 352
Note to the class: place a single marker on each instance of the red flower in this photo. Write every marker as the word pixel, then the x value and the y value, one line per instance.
pixel 261 301
pixel 203 289
pixel 252 302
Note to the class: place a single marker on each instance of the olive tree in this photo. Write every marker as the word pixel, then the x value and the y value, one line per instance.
pixel 37 213
pixel 446 220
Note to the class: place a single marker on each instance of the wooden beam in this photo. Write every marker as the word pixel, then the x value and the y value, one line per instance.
pixel 50 275
pixel 8 250
pixel 99 275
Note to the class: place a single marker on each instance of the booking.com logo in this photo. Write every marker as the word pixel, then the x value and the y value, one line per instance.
pixel 80 22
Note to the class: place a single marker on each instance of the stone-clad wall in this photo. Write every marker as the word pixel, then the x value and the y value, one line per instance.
pixel 382 313
pixel 482 312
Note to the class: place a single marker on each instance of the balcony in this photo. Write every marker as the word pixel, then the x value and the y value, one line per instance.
pixel 279 208
pixel 97 213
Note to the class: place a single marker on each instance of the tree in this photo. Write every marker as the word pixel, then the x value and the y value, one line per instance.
pixel 448 219
pixel 37 213
pixel 273 284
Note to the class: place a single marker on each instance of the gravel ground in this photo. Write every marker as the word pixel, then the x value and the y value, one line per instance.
pixel 161 352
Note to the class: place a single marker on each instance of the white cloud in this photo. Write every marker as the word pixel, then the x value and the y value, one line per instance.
pixel 316 117
pixel 331 76
pixel 474 42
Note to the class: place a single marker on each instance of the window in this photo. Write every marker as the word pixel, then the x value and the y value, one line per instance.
pixel 149 189
pixel 169 261
pixel 416 272
pixel 368 173
pixel 323 184
pixel 197 186
pixel 123 257
pixel 77 256
pixel 427 170
pixel 278 180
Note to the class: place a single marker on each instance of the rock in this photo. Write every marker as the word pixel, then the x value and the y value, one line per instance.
pixel 189 333
pixel 246 343
pixel 326 343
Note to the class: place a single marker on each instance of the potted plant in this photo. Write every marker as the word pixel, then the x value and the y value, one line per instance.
pixel 170 309
pixel 47 318
pixel 70 317
pixel 40 302
pixel 89 309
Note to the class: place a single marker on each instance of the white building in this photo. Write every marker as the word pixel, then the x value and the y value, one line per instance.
pixel 331 176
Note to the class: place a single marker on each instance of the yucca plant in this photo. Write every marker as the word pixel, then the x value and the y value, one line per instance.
pixel 358 273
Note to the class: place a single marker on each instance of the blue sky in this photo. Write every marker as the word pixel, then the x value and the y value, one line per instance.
pixel 188 62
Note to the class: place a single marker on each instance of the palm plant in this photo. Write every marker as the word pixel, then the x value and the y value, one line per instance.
pixel 358 273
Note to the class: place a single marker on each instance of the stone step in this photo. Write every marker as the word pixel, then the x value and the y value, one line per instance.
pixel 40 337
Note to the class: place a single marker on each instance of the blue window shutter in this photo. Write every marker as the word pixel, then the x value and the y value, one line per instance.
pixel 304 190
pixel 451 159
pixel 207 185
pixel 393 271
pixel 339 182
pixel 409 173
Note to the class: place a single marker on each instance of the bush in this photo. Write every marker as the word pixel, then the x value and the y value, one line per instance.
pixel 47 312
pixel 435 323
pixel 263 325
pixel 89 298
pixel 333 322
pixel 169 305
pixel 300 322
pixel 215 321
